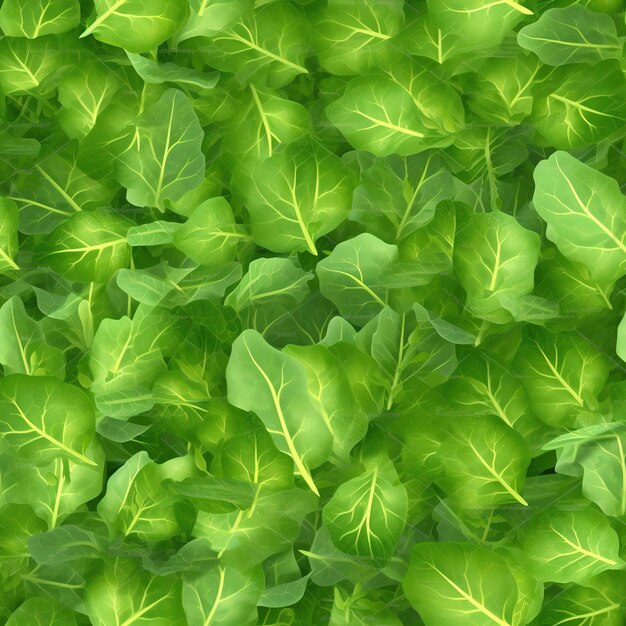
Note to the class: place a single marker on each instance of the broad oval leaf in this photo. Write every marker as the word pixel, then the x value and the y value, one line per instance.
pixel 586 214
pixel 367 514
pixel 273 385
pixel 166 159
pixel 136 25
pixel 294 197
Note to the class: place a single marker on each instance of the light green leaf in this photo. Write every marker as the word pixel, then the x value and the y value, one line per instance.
pixel 349 277
pixel 246 536
pixel 136 25
pixel 570 546
pixel 26 64
pixel 23 347
pixel 88 247
pixel 166 160
pixel 225 595
pixel 582 606
pixel 586 214
pixel 400 111
pixel 54 189
pixel 329 389
pixel 571 34
pixel 351 37
pixel 209 236
pixel 501 91
pixel 483 385
pixel 367 514
pixel 274 386
pixel 508 256
pixel 580 106
pixel 294 197
pixel 154 73
pixel 122 592
pixel 267 47
pixel 484 463
pixel 173 286
pixel 479 24
pixel 136 501
pixel 56 490
pixel 84 92
pixel 601 453
pixel 9 243
pixel 156 233
pixel 42 418
pixel 397 196
pixel 35 18
pixel 251 456
pixel 275 280
pixel 461 584
pixel 208 17
pixel 41 612
pixel 263 123
pixel 563 375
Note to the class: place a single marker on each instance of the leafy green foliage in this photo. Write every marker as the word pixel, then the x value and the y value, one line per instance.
pixel 312 313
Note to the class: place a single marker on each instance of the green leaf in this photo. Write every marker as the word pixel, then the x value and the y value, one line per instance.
pixel 88 247
pixel 274 386
pixel 209 236
pixel 397 196
pixel 26 65
pixel 136 502
pixel 42 418
pixel 397 112
pixel 584 210
pixel 166 160
pixel 482 385
pixel 84 92
pixel 583 105
pixel 23 18
pixel 226 594
pixel 265 121
pixel 460 584
pixel 350 277
pixel 563 375
pixel 599 451
pixel 135 25
pixel 572 34
pixel 582 606
pixel 329 389
pixel 211 16
pixel 484 463
pixel 53 190
pixel 122 591
pixel 277 281
pixel 353 37
pixel 23 347
pixel 570 546
pixel 9 244
pixel 266 47
pixel 41 612
pixel 297 195
pixel 509 254
pixel 154 73
pixel 367 514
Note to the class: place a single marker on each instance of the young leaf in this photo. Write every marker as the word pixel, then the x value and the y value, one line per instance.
pixel 572 34
pixel 570 546
pixel 129 24
pixel 273 385
pixel 166 160
pixel 367 514
pixel 461 584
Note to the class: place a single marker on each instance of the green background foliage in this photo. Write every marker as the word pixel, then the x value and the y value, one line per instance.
pixel 312 313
